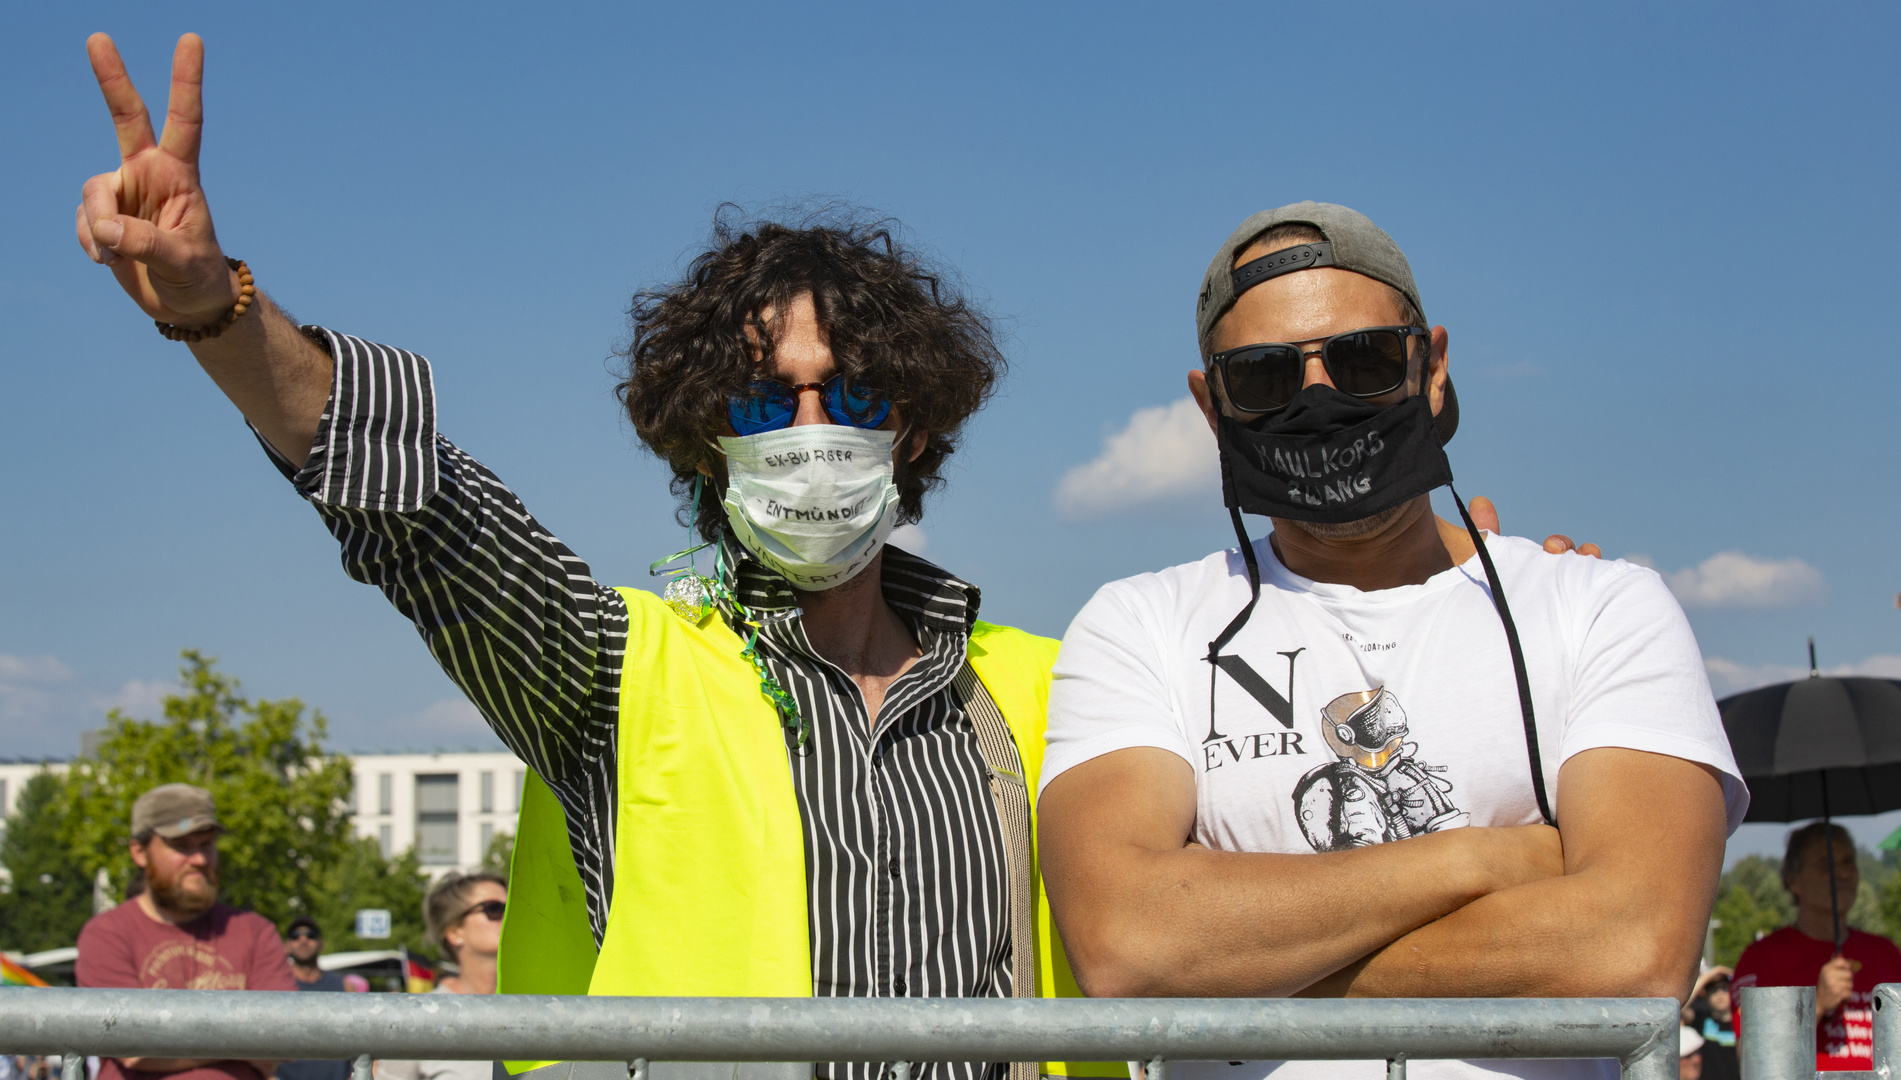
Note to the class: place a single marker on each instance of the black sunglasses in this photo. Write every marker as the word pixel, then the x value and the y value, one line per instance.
pixel 769 404
pixel 490 909
pixel 301 934
pixel 1365 363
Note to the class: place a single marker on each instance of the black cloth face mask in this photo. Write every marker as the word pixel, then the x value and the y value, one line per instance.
pixel 1331 458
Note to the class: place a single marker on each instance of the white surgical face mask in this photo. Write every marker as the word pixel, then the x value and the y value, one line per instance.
pixel 815 502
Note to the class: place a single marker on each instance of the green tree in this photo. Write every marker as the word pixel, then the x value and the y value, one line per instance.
pixel 1866 912
pixel 364 878
pixel 1887 920
pixel 500 854
pixel 280 798
pixel 1750 901
pixel 50 895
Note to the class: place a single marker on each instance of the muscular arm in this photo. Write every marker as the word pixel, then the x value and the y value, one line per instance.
pixel 1643 846
pixel 1143 915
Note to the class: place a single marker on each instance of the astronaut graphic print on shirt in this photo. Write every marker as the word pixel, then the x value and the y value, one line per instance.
pixel 1376 789
pixel 1350 766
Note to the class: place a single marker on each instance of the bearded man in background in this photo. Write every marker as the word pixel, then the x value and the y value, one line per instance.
pixel 175 935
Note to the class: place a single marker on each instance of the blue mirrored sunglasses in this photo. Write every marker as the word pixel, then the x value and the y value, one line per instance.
pixel 770 404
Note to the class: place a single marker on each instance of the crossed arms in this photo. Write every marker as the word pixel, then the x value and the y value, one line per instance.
pixel 1613 906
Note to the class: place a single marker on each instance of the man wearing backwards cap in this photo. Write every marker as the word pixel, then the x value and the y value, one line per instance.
pixel 176 935
pixel 1328 762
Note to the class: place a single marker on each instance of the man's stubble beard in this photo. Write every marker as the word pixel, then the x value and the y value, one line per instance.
pixel 174 895
pixel 1352 530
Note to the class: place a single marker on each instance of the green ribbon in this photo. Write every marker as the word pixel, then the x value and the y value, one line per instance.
pixel 716 590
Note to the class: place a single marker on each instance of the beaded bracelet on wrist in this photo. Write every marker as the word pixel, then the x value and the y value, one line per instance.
pixel 247 292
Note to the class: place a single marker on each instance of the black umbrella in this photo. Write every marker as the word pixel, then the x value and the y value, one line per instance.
pixel 1818 747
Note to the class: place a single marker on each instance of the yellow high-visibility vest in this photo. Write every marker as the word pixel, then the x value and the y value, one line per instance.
pixel 709 885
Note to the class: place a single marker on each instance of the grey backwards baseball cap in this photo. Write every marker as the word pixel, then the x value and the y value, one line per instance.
pixel 1352 242
pixel 174 810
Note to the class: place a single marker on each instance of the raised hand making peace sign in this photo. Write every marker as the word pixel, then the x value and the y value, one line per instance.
pixel 148 220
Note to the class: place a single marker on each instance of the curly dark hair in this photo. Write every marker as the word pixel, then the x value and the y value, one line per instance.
pixel 891 318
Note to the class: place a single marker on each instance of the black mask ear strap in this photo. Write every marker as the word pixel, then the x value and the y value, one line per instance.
pixel 1518 662
pixel 1254 586
pixel 1254 593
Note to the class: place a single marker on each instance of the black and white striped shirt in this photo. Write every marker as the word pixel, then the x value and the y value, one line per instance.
pixel 904 852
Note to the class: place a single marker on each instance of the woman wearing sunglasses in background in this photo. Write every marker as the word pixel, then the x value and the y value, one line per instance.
pixel 463 916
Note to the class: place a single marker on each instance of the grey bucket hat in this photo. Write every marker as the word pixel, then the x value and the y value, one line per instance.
pixel 1353 243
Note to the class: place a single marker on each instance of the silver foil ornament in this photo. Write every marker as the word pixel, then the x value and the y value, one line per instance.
pixel 689 596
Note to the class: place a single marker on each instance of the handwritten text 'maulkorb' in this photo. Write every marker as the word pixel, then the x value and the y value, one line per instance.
pixel 1331 466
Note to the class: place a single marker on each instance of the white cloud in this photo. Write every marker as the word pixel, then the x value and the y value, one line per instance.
pixel 141 698
pixel 30 686
pixel 910 538
pixel 33 669
pixel 449 719
pixel 44 687
pixel 1729 677
pixel 1164 452
pixel 45 704
pixel 1732 579
pixel 1879 667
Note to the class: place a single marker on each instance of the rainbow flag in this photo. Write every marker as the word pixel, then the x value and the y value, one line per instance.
pixel 12 974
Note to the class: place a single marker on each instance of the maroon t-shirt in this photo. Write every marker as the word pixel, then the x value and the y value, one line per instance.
pixel 224 949
pixel 1844 1039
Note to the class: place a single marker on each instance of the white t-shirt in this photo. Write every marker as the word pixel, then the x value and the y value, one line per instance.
pixel 1344 718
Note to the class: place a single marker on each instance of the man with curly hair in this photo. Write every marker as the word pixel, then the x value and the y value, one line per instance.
pixel 805 775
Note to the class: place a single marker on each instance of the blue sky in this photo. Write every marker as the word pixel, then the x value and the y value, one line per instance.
pixel 1660 236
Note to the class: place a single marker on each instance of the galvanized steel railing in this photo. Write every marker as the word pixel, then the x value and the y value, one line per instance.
pixel 1641 1033
pixel 1777 1039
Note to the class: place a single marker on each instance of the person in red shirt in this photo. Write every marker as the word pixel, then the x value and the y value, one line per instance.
pixel 175 935
pixel 1805 954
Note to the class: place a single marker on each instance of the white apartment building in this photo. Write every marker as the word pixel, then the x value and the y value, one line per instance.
pixel 448 805
pixel 14 773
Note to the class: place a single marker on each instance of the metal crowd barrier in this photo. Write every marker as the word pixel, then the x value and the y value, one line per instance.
pixel 1640 1033
pixel 1777 1040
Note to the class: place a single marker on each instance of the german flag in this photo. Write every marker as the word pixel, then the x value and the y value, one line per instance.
pixel 418 978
